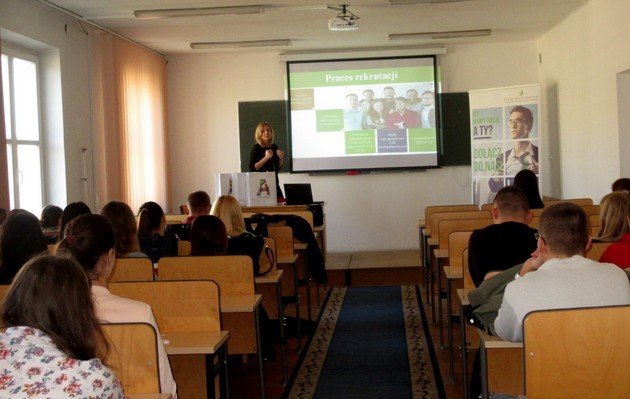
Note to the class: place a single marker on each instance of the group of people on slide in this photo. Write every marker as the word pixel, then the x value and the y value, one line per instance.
pixel 53 345
pixel 518 269
pixel 390 111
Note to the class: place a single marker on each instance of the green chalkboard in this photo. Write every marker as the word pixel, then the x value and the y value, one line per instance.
pixel 250 114
pixel 454 128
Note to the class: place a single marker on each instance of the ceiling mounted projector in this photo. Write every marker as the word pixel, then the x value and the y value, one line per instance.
pixel 345 20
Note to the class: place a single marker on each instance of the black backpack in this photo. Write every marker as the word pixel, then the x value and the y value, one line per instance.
pixel 252 246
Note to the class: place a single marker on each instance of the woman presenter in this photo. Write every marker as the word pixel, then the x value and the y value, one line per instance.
pixel 265 155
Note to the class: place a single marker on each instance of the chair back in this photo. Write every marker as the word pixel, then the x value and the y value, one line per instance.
pixel 133 355
pixel 183 248
pixel 486 207
pixel 586 361
pixel 132 269
pixel 594 221
pixel 283 236
pixel 468 282
pixel 458 242
pixel 446 227
pixel 233 274
pixel 175 218
pixel 177 305
pixel 438 217
pixel 597 249
pixel 576 201
pixel 430 210
pixel 591 210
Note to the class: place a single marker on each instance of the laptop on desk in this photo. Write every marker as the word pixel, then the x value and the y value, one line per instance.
pixel 298 193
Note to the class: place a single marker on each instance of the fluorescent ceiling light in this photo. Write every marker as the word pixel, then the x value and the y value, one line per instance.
pixel 252 43
pixel 412 2
pixel 441 35
pixel 196 12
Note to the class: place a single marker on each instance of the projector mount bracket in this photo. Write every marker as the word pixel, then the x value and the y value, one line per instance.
pixel 345 14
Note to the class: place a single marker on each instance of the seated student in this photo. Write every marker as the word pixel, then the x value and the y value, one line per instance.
pixel 621 184
pixel 53 346
pixel 527 181
pixel 21 238
pixel 124 222
pixel 198 204
pixel 51 220
pixel 615 227
pixel 507 242
pixel 613 217
pixel 563 277
pixel 240 241
pixel 71 211
pixel 208 236
pixel 90 239
pixel 151 232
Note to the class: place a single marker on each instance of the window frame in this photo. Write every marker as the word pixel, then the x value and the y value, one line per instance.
pixel 12 51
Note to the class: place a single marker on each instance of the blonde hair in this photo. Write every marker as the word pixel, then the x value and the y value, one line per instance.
pixel 614 210
pixel 228 209
pixel 258 134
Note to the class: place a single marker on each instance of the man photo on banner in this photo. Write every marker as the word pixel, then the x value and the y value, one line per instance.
pixel 522 155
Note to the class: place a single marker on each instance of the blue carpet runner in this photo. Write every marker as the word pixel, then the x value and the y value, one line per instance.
pixel 369 344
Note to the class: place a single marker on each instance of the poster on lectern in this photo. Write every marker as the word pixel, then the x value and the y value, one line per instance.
pixel 505 132
pixel 250 189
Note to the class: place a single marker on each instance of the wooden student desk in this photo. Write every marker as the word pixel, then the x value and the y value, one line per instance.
pixel 211 344
pixel 451 273
pixel 501 366
pixel 462 296
pixel 239 305
pixel 237 312
pixel 188 313
pixel 273 279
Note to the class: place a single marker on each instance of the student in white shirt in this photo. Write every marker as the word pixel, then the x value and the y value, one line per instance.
pixel 563 277
pixel 90 239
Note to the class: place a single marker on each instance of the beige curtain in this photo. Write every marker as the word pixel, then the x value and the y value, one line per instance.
pixel 131 162
pixel 5 201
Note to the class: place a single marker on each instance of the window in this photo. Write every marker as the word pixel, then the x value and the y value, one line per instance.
pixel 22 117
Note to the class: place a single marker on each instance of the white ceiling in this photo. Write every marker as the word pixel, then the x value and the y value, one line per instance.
pixel 305 22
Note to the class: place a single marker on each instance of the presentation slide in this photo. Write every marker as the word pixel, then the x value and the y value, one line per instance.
pixel 364 114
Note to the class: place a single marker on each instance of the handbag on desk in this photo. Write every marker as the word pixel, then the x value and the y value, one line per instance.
pixel 252 246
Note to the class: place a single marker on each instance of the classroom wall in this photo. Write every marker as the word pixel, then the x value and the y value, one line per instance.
pixel 372 212
pixel 581 59
pixel 35 21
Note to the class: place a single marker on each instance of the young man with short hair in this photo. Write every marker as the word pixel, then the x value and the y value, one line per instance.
pixel 563 277
pixel 507 242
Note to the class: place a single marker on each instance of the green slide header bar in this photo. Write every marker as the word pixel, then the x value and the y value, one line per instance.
pixel 362 77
